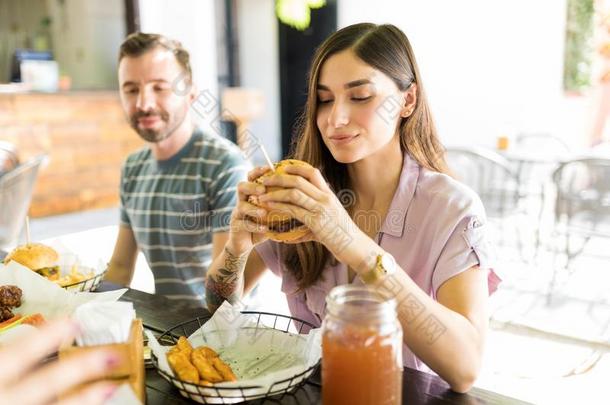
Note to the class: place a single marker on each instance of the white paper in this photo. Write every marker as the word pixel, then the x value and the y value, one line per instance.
pixel 124 395
pixel 259 356
pixel 43 296
pixel 104 322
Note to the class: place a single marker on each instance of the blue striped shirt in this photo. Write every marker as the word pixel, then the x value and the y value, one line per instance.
pixel 174 207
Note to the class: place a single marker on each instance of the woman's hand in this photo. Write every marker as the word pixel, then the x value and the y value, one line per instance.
pixel 244 233
pixel 307 197
pixel 23 381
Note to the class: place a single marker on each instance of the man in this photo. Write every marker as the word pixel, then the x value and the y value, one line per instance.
pixel 177 193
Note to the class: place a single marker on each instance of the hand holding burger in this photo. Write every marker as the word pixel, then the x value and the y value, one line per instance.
pixel 252 222
pixel 294 204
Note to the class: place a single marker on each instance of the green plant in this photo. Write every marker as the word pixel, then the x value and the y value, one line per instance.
pixel 297 13
pixel 578 45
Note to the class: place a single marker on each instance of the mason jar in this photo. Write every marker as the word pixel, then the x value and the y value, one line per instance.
pixel 361 348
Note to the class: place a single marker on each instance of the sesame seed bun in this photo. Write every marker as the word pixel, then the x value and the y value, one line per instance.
pixel 34 256
pixel 283 227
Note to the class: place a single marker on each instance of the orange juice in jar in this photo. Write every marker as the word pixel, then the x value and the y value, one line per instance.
pixel 361 349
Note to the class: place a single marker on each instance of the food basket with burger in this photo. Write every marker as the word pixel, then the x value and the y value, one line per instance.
pixel 26 298
pixel 63 270
pixel 237 356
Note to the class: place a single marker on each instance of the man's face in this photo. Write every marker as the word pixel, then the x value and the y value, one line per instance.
pixel 154 109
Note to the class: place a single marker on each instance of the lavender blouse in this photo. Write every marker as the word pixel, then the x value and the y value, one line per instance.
pixel 435 229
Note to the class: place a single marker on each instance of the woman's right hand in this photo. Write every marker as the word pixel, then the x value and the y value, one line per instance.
pixel 245 233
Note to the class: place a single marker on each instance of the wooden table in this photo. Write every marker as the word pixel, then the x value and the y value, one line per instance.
pixel 159 314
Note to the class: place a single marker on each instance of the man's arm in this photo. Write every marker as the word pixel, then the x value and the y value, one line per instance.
pixel 123 261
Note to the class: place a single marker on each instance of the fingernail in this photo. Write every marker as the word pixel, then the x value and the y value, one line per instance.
pixel 261 212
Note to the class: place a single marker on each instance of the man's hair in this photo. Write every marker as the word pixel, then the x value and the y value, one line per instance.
pixel 138 43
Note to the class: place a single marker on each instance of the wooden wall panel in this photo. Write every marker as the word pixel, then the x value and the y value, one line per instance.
pixel 86 137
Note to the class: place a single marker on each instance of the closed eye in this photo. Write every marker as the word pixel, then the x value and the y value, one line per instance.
pixel 361 99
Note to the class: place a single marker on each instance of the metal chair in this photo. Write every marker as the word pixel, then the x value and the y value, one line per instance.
pixel 492 178
pixel 16 188
pixel 8 157
pixel 535 174
pixel 582 206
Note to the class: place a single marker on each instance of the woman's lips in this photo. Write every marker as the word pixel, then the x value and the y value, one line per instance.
pixel 342 139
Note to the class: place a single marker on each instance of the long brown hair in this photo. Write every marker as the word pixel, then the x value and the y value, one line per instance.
pixel 387 49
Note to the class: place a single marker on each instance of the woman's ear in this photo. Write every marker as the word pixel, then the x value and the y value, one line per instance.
pixel 409 99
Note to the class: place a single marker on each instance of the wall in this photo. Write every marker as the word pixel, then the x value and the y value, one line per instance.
pixel 192 23
pixel 258 59
pixel 86 138
pixel 489 67
pixel 86 38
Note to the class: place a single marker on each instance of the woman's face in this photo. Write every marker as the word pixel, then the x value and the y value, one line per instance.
pixel 358 107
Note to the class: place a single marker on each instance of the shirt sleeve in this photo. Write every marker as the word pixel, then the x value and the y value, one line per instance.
pixel 224 189
pixel 124 218
pixel 467 246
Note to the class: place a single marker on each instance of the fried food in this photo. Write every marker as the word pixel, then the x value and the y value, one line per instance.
pixel 10 296
pixel 206 369
pixel 203 359
pixel 184 346
pixel 207 352
pixel 183 367
pixel 224 369
pixel 75 276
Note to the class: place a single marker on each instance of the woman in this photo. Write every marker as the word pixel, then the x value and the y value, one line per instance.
pixel 369 133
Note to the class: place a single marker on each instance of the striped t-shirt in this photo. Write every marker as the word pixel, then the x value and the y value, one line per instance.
pixel 174 206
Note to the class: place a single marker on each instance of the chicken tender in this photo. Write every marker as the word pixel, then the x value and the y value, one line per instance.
pixel 183 367
pixel 207 352
pixel 224 369
pixel 185 346
pixel 204 366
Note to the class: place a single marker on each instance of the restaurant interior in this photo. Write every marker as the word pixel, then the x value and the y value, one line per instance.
pixel 520 95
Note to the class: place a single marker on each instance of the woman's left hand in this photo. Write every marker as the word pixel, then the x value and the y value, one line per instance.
pixel 308 198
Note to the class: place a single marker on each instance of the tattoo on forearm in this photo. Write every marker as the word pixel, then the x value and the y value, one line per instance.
pixel 227 283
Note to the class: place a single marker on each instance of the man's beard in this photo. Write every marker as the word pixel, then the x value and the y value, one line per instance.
pixel 155 135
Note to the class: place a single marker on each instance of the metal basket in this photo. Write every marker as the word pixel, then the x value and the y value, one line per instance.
pixel 227 395
pixel 89 284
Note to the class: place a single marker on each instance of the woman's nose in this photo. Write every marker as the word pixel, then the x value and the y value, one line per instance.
pixel 339 115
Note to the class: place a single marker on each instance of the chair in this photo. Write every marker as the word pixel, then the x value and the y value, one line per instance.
pixel 8 157
pixel 492 178
pixel 16 188
pixel 535 174
pixel 582 205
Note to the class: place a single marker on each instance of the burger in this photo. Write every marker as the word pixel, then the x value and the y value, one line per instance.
pixel 283 227
pixel 37 257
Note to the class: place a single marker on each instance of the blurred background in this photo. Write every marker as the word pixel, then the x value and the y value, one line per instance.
pixel 520 91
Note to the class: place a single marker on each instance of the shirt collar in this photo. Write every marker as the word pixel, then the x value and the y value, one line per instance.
pixel 394 223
